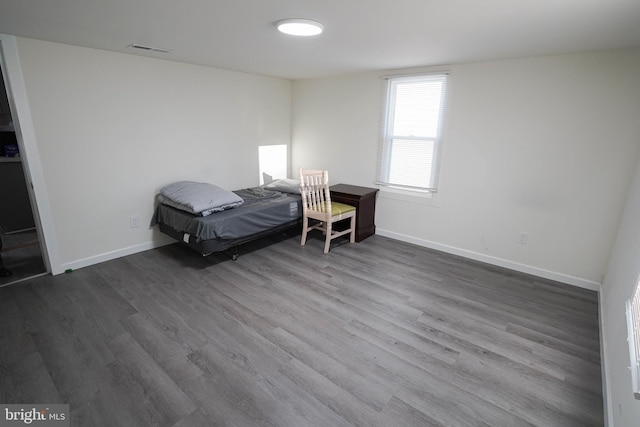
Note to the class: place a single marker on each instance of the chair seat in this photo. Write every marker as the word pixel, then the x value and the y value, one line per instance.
pixel 336 209
pixel 340 208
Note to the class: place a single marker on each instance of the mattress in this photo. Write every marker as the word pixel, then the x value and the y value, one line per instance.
pixel 262 212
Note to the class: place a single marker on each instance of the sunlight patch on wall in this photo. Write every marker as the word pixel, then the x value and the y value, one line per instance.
pixel 272 162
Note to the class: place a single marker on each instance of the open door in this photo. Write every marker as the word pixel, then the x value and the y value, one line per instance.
pixel 20 252
pixel 39 240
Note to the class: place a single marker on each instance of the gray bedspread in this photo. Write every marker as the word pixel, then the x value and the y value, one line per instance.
pixel 262 210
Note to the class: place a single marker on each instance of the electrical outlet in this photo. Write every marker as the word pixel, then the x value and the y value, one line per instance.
pixel 134 221
pixel 523 237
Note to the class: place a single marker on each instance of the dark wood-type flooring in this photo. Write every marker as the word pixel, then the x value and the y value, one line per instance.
pixel 379 333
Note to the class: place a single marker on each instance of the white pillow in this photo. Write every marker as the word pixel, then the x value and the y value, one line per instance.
pixel 284 185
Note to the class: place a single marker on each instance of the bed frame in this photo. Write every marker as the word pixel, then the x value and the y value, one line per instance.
pixel 263 214
pixel 230 246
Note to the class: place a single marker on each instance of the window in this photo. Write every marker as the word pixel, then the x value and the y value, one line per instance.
pixel 272 162
pixel 633 328
pixel 412 132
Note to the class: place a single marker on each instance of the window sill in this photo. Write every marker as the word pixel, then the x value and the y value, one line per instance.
pixel 414 197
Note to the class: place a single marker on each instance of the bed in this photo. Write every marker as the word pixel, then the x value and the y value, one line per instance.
pixel 262 211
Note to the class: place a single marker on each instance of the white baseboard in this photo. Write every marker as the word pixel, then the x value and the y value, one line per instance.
pixel 108 256
pixel 500 262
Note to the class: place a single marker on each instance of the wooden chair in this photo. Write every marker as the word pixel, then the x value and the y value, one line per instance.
pixel 317 205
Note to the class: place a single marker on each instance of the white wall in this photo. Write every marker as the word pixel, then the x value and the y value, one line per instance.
pixel 543 145
pixel 112 129
pixel 619 282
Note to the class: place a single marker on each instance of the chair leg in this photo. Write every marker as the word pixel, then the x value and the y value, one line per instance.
pixel 352 235
pixel 327 241
pixel 305 230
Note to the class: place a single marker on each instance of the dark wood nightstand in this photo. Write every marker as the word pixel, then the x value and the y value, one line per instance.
pixel 364 199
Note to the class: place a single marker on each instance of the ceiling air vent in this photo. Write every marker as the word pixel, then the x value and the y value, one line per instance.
pixel 149 48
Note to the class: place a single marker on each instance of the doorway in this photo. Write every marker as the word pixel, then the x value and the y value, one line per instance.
pixel 21 251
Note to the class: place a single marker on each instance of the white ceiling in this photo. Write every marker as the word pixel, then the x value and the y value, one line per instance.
pixel 360 35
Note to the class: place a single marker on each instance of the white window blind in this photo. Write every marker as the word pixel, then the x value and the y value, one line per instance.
pixel 411 132
pixel 633 327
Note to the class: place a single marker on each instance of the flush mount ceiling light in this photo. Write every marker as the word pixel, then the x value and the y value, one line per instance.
pixel 300 27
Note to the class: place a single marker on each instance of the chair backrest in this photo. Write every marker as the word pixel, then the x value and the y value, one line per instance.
pixel 314 189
